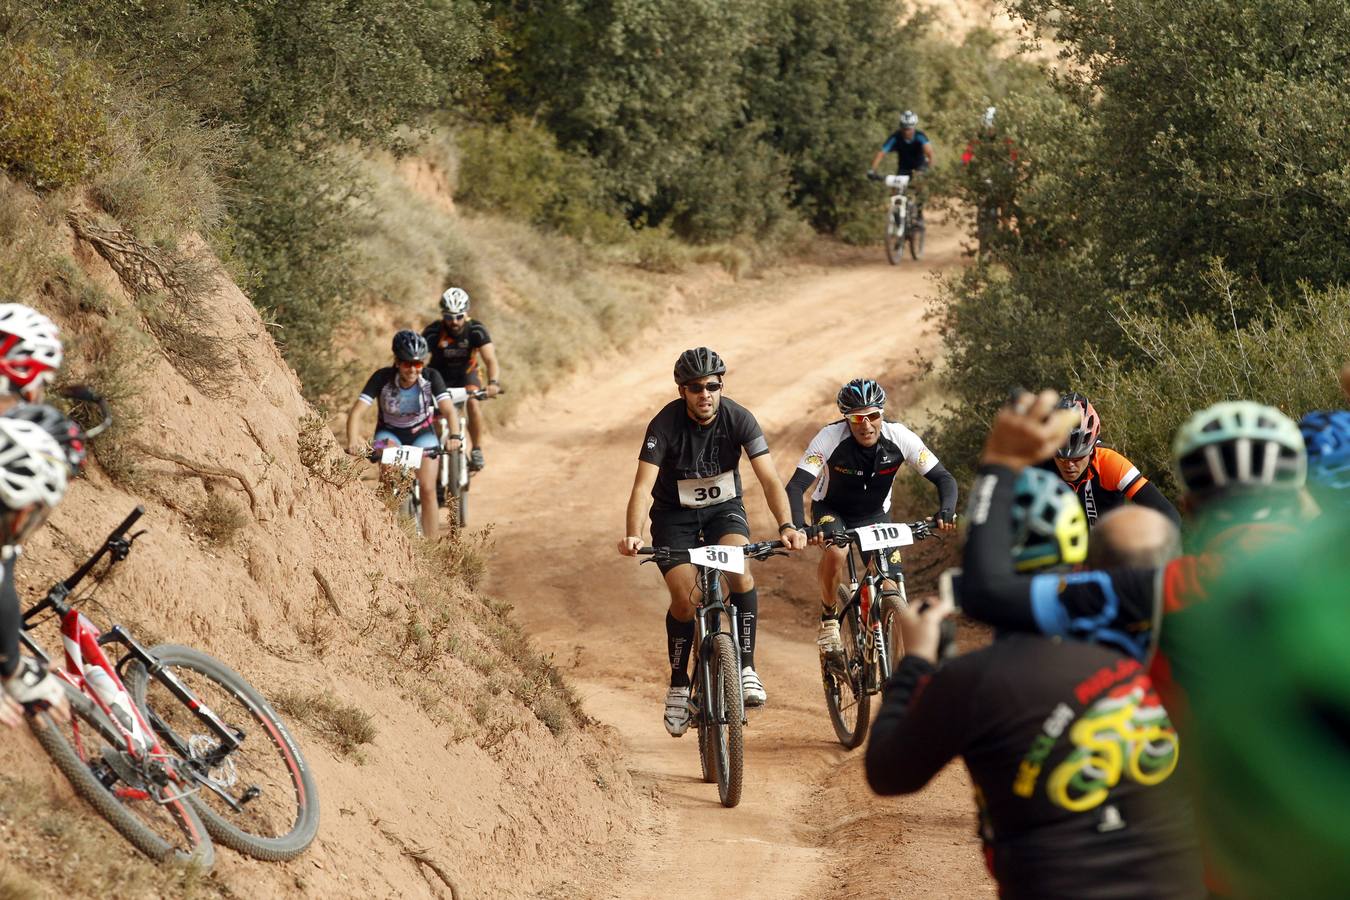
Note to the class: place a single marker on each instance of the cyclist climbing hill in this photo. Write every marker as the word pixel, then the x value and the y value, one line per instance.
pixel 1102 478
pixel 457 343
pixel 408 399
pixel 688 472
pixel 853 463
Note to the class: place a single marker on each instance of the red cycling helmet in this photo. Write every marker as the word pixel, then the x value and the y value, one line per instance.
pixel 1083 438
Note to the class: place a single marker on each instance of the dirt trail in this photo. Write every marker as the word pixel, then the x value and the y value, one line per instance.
pixel 556 487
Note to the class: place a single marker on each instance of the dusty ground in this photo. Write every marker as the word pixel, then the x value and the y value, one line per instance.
pixel 556 487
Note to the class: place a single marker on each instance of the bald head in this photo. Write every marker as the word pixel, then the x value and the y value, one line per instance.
pixel 1133 537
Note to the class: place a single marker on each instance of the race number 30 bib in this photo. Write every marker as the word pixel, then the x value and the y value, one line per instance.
pixel 696 493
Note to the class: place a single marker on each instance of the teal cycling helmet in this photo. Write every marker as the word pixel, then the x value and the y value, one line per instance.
pixel 1239 445
pixel 1049 525
pixel 1269 722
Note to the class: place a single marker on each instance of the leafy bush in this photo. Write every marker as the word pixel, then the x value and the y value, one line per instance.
pixel 53 122
pixel 517 170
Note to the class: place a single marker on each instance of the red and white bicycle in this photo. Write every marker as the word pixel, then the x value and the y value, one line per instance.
pixel 170 745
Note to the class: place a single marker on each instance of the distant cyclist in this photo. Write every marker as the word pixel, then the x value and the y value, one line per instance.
pixel 30 354
pixel 1102 478
pixel 457 344
pixel 407 399
pixel 913 153
pixel 1067 743
pixel 33 478
pixel 688 472
pixel 853 463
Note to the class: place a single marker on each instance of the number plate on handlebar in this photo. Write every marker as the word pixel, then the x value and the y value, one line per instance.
pixel 717 556
pixel 407 456
pixel 882 535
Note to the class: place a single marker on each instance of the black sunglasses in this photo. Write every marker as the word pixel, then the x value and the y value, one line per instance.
pixel 451 318
pixel 713 386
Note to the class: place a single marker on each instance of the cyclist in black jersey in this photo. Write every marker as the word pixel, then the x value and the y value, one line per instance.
pixel 33 477
pixel 408 398
pixel 853 463
pixel 457 344
pixel 1069 748
pixel 688 473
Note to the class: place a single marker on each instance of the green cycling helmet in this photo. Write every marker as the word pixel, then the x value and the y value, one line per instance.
pixel 1049 525
pixel 1265 666
pixel 1239 445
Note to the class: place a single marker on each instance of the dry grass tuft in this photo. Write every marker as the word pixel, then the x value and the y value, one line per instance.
pixel 219 519
pixel 319 453
pixel 342 726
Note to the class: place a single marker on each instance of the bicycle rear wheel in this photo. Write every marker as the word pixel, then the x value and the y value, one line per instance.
pixel 915 240
pixel 280 818
pixel 728 711
pixel 845 682
pixel 90 752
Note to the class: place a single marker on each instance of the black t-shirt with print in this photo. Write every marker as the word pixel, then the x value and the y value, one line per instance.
pixel 699 463
pixel 454 356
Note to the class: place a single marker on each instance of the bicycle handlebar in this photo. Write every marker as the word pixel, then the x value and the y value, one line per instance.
pixel 84 394
pixel 921 530
pixel 117 543
pixel 759 551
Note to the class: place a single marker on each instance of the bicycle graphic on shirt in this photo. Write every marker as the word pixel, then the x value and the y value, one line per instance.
pixel 1124 735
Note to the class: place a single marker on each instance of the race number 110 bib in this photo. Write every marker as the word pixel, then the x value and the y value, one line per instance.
pixel 696 493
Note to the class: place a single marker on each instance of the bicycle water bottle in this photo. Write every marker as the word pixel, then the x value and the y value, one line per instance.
pixel 116 699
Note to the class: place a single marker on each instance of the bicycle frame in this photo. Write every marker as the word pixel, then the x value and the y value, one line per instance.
pixel 867 596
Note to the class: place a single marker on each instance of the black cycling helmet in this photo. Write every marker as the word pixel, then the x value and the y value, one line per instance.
pixel 65 431
pixel 860 393
pixel 699 362
pixel 410 346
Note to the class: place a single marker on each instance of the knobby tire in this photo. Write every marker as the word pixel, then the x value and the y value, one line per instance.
pixel 707 733
pixel 890 631
pixel 729 712
pixel 280 823
pixel 459 486
pixel 845 682
pixel 895 239
pixel 87 743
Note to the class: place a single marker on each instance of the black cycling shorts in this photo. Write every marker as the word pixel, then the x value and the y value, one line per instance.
pixel 685 529
pixel 822 515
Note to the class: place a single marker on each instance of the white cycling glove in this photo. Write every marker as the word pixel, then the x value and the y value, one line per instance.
pixel 34 686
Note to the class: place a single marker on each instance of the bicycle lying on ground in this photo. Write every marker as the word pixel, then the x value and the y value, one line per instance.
pixel 902 224
pixel 868 622
pixel 716 696
pixel 171 746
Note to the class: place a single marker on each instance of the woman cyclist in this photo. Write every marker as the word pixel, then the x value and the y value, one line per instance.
pixel 408 399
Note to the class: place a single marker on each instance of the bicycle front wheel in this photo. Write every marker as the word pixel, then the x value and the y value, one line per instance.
pixel 267 777
pixel 895 237
pixel 459 485
pixel 90 752
pixel 845 681
pixel 915 239
pixel 728 712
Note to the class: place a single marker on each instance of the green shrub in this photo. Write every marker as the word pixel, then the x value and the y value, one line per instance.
pixel 517 170
pixel 53 120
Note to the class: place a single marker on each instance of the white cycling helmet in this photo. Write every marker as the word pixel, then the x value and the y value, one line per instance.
pixel 1239 445
pixel 30 349
pixel 33 467
pixel 987 120
pixel 455 302
pixel 908 119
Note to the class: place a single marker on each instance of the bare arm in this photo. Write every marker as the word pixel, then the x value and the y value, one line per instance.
pixel 777 499
pixel 638 503
pixel 876 160
pixel 928 152
pixel 451 414
pixel 490 365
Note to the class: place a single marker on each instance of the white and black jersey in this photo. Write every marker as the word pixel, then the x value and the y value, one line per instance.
pixel 855 481
pixel 698 464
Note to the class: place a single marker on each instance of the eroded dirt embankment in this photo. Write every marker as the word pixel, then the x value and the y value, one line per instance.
pixel 477 762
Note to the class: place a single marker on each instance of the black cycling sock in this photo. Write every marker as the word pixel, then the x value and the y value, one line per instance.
pixel 747 609
pixel 679 644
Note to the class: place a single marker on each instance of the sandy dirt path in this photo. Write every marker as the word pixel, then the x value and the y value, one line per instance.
pixel 807 826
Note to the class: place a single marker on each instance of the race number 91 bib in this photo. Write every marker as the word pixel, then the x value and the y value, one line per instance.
pixel 696 493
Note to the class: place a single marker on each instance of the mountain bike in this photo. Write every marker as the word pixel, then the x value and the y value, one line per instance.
pixel 902 228
pixel 170 745
pixel 868 625
pixel 716 696
pixel 452 477
pixel 408 460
